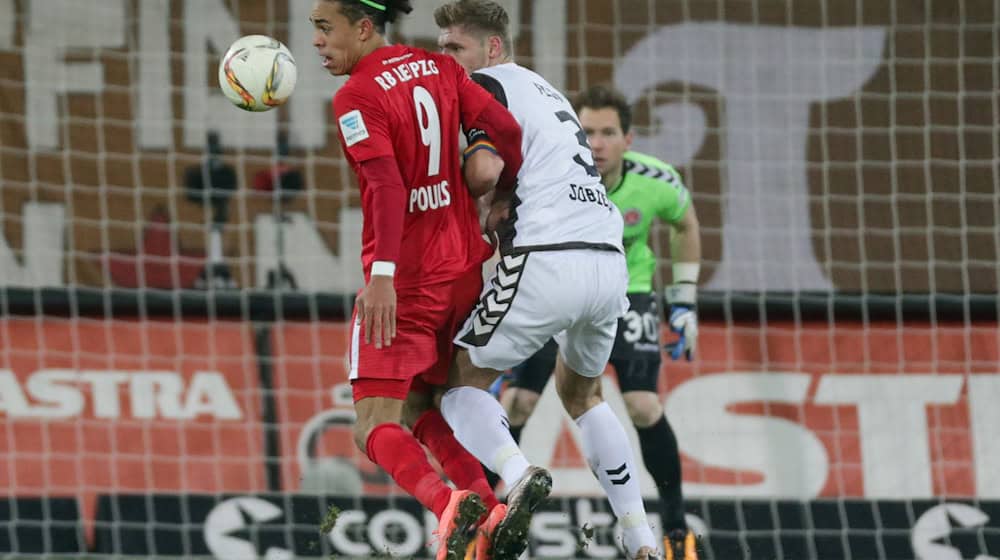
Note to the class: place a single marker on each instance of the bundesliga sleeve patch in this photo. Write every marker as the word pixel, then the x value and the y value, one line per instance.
pixel 352 126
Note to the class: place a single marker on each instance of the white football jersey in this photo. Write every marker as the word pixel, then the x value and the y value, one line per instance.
pixel 559 202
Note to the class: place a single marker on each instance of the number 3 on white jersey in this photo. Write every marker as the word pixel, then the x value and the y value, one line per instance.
pixel 430 133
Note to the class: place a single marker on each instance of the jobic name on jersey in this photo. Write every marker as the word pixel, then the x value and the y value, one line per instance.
pixel 596 195
pixel 405 71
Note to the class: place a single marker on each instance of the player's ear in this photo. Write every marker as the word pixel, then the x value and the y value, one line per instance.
pixel 494 46
pixel 628 139
pixel 366 29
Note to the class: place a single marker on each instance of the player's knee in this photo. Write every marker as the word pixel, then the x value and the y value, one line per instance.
pixel 466 374
pixel 521 406
pixel 416 405
pixel 644 408
pixel 371 413
pixel 579 394
pixel 361 432
pixel 411 415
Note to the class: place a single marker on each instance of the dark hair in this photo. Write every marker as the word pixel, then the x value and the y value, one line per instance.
pixel 477 16
pixel 356 10
pixel 604 96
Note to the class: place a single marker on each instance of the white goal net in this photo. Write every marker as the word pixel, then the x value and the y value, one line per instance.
pixel 172 357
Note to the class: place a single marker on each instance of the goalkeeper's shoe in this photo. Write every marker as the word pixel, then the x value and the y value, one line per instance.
pixel 455 529
pixel 484 536
pixel 680 544
pixel 511 536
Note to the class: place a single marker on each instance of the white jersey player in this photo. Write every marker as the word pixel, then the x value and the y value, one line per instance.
pixel 561 275
pixel 561 221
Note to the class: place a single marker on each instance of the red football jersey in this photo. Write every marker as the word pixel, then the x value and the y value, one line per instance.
pixel 407 103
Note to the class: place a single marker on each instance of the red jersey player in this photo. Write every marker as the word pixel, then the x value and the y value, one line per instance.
pixel 398 116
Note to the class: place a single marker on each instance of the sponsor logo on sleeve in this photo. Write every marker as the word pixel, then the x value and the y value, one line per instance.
pixel 352 126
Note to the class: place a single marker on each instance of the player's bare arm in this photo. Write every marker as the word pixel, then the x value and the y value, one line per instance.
pixel 483 166
pixel 493 157
pixel 685 238
pixel 482 171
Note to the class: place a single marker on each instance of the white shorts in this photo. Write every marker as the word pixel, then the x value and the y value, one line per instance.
pixel 575 296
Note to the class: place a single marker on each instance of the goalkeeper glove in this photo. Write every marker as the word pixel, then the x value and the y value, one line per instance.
pixel 683 319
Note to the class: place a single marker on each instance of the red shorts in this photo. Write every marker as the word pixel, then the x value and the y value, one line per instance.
pixel 427 319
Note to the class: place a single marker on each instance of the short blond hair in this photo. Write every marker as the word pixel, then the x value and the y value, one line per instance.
pixel 480 17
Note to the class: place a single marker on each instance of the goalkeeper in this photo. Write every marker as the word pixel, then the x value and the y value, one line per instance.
pixel 643 188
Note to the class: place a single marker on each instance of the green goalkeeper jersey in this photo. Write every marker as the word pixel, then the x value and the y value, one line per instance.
pixel 648 188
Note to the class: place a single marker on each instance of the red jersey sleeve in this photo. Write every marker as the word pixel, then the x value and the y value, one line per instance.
pixel 471 98
pixel 363 124
pixel 386 206
pixel 488 112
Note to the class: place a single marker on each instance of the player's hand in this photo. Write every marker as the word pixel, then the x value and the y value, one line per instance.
pixel 377 310
pixel 498 214
pixel 684 322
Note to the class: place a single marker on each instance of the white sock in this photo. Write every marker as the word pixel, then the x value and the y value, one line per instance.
pixel 607 449
pixel 481 426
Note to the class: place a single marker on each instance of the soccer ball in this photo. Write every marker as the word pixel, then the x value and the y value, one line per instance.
pixel 257 73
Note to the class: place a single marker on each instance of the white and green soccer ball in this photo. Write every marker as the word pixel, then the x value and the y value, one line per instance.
pixel 257 73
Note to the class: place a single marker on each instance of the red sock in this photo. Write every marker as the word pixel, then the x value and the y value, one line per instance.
pixel 395 450
pixel 461 467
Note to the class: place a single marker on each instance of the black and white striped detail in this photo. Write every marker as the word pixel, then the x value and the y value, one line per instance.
pixel 665 175
pixel 497 301
pixel 619 476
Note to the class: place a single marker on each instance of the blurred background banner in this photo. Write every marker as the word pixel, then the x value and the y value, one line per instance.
pixel 793 412
pixel 176 275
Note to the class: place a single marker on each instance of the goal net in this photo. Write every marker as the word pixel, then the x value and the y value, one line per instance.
pixel 176 281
